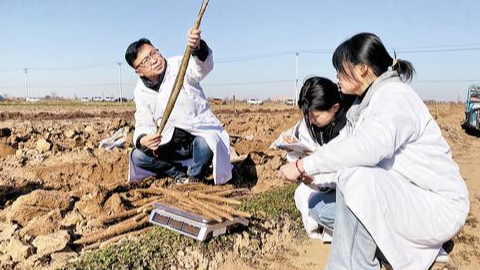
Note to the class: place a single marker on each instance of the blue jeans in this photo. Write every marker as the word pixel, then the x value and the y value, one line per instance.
pixel 164 166
pixel 322 208
pixel 353 247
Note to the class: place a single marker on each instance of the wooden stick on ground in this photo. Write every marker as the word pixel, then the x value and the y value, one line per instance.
pixel 180 196
pixel 213 209
pixel 123 215
pixel 213 189
pixel 117 229
pixel 190 208
pixel 204 212
pixel 191 187
pixel 214 198
pixel 198 200
pixel 150 191
pixel 229 192
pixel 115 239
pixel 145 201
pixel 232 211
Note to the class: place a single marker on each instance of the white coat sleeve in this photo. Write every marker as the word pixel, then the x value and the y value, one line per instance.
pixel 144 122
pixel 197 70
pixel 387 127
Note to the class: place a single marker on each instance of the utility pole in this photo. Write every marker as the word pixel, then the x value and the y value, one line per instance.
pixel 295 92
pixel 25 86
pixel 120 81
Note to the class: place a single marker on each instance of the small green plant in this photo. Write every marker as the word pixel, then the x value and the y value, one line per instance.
pixel 158 248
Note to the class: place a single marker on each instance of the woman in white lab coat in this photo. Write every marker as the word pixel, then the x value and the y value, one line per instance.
pixel 324 110
pixel 399 192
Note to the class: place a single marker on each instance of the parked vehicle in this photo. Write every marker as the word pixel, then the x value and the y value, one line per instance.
pixel 1 98
pixel 97 99
pixel 290 102
pixel 85 99
pixel 472 109
pixel 254 101
pixel 121 99
pixel 109 99
pixel 218 101
pixel 30 99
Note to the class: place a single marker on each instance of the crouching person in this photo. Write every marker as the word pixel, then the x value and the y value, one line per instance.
pixel 400 195
pixel 193 138
pixel 324 116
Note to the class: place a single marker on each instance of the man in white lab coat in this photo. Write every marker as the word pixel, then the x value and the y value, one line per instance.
pixel 193 136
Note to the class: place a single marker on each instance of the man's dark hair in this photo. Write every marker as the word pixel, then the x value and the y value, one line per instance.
pixel 132 50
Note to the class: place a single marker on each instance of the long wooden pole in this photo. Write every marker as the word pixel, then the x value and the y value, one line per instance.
pixel 181 74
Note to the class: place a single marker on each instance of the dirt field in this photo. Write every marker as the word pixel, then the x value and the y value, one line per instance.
pixel 54 180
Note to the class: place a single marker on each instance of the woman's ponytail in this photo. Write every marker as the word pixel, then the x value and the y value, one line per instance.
pixel 405 69
pixel 368 49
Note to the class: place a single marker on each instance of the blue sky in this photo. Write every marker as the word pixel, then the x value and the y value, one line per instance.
pixel 71 48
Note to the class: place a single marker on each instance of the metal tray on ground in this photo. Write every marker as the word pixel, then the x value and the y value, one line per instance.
pixel 190 224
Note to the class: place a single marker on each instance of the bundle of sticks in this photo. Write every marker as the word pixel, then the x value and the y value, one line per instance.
pixel 208 201
pixel 212 202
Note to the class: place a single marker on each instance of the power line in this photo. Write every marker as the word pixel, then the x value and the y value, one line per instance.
pixel 440 50
pixel 290 80
pixel 76 67
pixel 440 46
pixel 11 86
pixel 416 49
pixel 248 83
pixel 253 57
pixel 62 86
pixel 221 84
pixel 410 50
pixel 405 50
pixel 11 70
pixel 445 81
pixel 73 68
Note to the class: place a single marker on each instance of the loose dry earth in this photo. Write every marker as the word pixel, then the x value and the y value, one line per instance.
pixel 54 180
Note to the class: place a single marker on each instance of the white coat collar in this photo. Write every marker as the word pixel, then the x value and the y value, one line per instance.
pixel 358 106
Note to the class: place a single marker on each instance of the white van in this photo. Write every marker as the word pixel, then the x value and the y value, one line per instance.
pixel 254 101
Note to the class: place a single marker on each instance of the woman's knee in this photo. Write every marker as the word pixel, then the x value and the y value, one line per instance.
pixel 302 195
pixel 359 180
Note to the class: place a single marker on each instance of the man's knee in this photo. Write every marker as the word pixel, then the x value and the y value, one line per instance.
pixel 139 157
pixel 201 145
pixel 200 142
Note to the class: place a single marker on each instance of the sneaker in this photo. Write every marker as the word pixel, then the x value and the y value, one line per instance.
pixel 442 256
pixel 181 178
pixel 193 179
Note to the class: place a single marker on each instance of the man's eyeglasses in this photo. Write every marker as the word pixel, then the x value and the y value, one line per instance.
pixel 148 60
